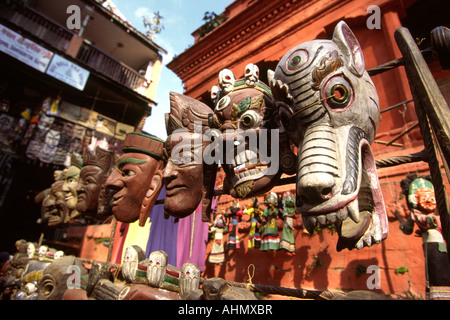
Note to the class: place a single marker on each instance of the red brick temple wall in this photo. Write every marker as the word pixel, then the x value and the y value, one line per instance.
pixel 260 33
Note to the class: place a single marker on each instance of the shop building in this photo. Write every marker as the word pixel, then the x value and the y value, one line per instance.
pixel 74 73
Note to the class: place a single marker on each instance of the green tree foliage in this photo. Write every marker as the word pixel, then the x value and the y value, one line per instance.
pixel 212 21
pixel 153 24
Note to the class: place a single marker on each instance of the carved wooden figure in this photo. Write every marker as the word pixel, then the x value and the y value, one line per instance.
pixel 137 178
pixel 329 108
pixel 219 289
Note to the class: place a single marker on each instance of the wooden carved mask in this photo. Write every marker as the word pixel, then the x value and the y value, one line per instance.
pixel 137 178
pixel 247 120
pixel 96 168
pixel 329 108
pixel 185 170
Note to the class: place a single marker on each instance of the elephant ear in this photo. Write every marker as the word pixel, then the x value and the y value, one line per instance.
pixel 345 39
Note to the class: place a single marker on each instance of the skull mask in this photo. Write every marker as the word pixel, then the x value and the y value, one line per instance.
pixel 329 108
pixel 189 279
pixel 133 255
pixel 157 263
pixel 42 252
pixel 31 249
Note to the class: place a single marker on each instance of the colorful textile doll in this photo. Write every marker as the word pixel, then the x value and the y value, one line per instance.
pixel 217 254
pixel 254 236
pixel 270 238
pixel 233 238
pixel 287 238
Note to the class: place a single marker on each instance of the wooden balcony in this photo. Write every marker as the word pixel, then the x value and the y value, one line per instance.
pixel 43 28
pixel 88 55
pixel 112 68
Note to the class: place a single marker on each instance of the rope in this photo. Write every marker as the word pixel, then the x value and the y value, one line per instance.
pixel 250 276
pixel 395 161
pixel 111 240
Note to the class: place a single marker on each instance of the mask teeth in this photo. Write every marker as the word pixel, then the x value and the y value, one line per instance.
pixel 310 222
pixel 353 210
pixel 280 90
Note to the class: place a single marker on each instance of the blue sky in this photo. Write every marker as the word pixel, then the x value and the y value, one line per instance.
pixel 180 19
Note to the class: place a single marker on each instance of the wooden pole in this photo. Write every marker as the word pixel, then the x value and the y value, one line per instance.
pixel 434 118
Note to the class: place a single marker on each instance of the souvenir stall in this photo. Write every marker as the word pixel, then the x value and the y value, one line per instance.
pixel 233 185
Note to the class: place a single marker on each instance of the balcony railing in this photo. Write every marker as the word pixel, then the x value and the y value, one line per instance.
pixel 112 68
pixel 40 26
pixel 58 37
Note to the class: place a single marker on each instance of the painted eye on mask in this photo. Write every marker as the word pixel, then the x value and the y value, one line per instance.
pixel 223 103
pixel 250 119
pixel 126 173
pixel 338 93
pixel 297 60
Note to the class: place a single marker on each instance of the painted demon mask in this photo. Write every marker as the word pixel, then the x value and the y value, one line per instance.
pixel 247 121
pixel 137 178
pixel 329 108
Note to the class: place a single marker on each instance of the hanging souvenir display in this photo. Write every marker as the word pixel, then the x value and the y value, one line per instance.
pixel 287 239
pixel 270 237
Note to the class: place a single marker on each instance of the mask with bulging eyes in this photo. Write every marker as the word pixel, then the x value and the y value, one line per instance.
pixel 156 270
pixel 253 145
pixel 329 107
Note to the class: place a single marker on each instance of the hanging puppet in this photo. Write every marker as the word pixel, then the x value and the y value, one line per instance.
pixel 270 238
pixel 421 201
pixel 217 228
pixel 233 237
pixel 254 236
pixel 289 211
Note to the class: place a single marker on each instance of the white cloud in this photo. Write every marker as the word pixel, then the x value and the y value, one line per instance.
pixel 142 11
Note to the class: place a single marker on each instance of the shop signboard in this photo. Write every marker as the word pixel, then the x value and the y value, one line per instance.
pixel 68 72
pixel 24 49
